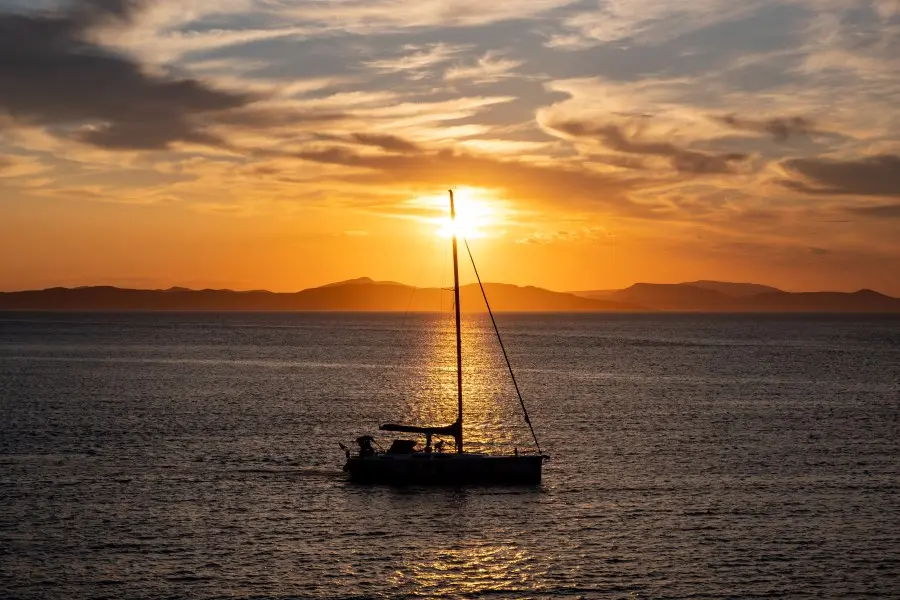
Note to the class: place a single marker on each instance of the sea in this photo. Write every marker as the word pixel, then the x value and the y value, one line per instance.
pixel 196 455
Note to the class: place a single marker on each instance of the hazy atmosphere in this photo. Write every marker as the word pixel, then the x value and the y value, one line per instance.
pixel 275 144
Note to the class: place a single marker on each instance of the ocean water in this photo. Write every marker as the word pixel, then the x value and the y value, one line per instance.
pixel 196 456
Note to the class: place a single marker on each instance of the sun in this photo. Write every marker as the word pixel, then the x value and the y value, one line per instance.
pixel 475 214
pixel 480 212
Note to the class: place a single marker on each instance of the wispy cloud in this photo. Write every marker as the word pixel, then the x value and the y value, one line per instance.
pixel 368 16
pixel 568 236
pixel 21 167
pixel 417 60
pixel 646 22
pixel 490 67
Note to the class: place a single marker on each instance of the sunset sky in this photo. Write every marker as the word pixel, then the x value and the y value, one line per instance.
pixel 284 144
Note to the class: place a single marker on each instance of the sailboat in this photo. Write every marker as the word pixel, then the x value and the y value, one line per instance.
pixel 403 464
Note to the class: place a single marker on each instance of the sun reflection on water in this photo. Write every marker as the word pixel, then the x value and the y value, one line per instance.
pixel 468 570
pixel 492 420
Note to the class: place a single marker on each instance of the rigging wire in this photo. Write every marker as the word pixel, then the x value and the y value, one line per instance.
pixel 502 347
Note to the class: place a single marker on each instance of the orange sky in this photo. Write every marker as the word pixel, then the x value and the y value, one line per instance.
pixel 287 145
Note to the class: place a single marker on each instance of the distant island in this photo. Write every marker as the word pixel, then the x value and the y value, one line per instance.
pixel 365 294
pixel 723 296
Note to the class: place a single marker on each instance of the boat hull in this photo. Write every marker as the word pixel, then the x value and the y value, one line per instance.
pixel 446 469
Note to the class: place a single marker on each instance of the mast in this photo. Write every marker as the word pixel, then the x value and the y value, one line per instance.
pixel 459 415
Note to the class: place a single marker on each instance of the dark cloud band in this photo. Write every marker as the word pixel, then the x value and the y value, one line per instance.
pixel 870 176
pixel 51 73
pixel 615 138
pixel 780 128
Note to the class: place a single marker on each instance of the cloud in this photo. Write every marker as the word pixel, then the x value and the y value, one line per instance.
pixel 50 73
pixel 646 22
pixel 417 59
pixel 369 16
pixel 494 147
pixel 490 67
pixel 880 211
pixel 674 109
pixel 21 166
pixel 162 47
pixel 86 13
pixel 854 37
pixel 168 30
pixel 549 184
pixel 585 234
pixel 616 138
pixel 780 128
pixel 869 176
pixel 275 120
pixel 391 143
pixel 382 141
pixel 157 135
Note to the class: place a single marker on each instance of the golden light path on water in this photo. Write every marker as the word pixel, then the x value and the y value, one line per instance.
pixel 492 420
pixel 471 570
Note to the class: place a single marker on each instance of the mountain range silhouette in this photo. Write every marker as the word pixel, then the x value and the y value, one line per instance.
pixel 365 294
